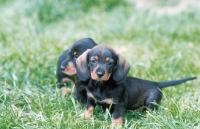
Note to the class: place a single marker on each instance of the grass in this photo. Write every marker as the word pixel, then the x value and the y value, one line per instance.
pixel 158 46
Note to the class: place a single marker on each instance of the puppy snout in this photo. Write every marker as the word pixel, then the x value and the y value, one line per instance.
pixel 62 68
pixel 100 73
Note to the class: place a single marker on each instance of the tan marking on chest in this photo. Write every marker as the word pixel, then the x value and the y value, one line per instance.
pixel 107 100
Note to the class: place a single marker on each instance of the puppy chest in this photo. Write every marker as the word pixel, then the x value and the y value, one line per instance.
pixel 102 98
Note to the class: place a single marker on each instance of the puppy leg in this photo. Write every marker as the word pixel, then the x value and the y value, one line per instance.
pixel 117 116
pixel 117 122
pixel 81 94
pixel 90 108
pixel 65 91
pixel 88 113
pixel 153 98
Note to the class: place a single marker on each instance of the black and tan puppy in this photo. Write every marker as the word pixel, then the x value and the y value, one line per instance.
pixel 66 67
pixel 110 87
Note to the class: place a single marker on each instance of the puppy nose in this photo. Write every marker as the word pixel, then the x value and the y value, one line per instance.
pixel 62 67
pixel 100 73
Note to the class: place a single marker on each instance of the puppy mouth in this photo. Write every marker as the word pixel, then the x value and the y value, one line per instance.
pixel 70 71
pixel 105 77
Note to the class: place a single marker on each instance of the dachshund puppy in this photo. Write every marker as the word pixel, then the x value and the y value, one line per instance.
pixel 66 67
pixel 110 87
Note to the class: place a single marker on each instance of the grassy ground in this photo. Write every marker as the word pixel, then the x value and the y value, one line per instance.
pixel 158 46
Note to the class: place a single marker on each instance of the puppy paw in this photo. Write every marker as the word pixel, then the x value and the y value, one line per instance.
pixel 116 123
pixel 88 113
pixel 115 126
pixel 65 91
pixel 85 115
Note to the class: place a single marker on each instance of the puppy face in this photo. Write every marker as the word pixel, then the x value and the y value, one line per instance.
pixel 102 63
pixel 69 64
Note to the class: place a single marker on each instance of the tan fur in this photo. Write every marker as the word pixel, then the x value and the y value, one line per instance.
pixel 67 80
pixel 88 113
pixel 65 91
pixel 70 69
pixel 107 100
pixel 117 122
pixel 105 77
pixel 94 76
pixel 90 95
pixel 107 59
pixel 96 58
pixel 74 53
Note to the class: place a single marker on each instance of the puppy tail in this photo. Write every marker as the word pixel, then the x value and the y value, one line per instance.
pixel 174 82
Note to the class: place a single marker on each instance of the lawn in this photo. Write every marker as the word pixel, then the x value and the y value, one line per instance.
pixel 158 46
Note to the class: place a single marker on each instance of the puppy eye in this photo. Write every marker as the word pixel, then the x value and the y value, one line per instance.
pixel 93 61
pixel 75 56
pixel 109 63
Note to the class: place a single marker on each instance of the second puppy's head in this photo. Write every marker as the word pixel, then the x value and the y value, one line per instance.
pixel 68 65
pixel 101 63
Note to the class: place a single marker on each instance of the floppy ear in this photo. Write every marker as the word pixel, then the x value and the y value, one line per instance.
pixel 121 71
pixel 83 71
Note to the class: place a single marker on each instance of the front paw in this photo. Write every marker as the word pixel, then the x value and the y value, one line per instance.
pixel 115 126
pixel 88 113
pixel 65 91
pixel 116 123
pixel 85 115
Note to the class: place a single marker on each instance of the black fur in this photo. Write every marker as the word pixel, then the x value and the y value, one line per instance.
pixel 119 92
pixel 144 93
pixel 70 56
pixel 60 74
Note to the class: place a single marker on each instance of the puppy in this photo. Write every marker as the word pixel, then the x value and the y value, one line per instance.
pixel 110 87
pixel 66 67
